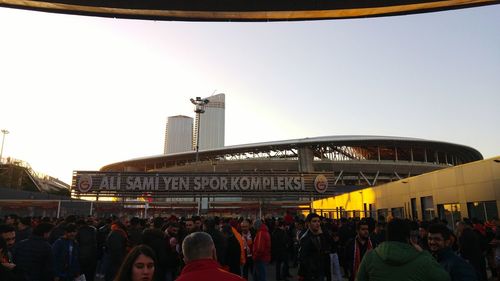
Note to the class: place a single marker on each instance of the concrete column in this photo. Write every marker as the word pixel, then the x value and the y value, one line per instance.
pixel 306 158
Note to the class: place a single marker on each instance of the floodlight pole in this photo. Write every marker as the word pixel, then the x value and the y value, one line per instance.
pixel 199 108
pixel 4 132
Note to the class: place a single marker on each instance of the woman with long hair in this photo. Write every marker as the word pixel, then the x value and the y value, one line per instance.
pixel 138 265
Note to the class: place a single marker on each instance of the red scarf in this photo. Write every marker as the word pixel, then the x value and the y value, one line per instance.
pixel 357 255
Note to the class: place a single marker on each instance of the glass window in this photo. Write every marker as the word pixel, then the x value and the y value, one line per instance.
pixel 450 213
pixel 484 211
pixel 397 212
pixel 427 204
pixel 382 215
pixel 414 212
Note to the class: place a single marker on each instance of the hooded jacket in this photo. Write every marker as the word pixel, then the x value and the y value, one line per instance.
pixel 398 261
pixel 262 245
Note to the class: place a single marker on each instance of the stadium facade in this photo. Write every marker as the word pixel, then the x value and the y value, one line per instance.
pixel 271 176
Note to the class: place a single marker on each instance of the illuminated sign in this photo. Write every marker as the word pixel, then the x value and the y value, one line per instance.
pixel 102 182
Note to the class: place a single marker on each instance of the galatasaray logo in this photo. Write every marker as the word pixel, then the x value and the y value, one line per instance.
pixel 321 183
pixel 84 183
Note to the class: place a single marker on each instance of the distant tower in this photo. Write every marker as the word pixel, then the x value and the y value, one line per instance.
pixel 178 134
pixel 211 124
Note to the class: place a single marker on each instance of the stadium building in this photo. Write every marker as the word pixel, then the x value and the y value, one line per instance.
pixel 271 177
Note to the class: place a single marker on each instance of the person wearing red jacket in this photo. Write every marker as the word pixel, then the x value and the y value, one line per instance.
pixel 261 250
pixel 201 260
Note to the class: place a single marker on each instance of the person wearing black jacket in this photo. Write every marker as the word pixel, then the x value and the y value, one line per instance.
pixel 233 250
pixel 219 240
pixel 87 240
pixel 8 271
pixel 116 247
pixel 155 238
pixel 314 252
pixel 470 247
pixel 280 242
pixel 33 256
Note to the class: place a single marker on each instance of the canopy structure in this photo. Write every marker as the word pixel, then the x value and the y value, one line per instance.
pixel 242 10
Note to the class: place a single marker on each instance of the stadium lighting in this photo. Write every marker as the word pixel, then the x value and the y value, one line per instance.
pixel 4 132
pixel 199 108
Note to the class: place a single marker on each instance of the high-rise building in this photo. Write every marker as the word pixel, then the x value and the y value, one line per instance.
pixel 211 124
pixel 178 134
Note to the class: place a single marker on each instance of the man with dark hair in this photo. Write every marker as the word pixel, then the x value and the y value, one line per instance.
pixel 34 256
pixel 422 235
pixel 173 249
pixel 201 260
pixel 66 252
pixel 155 238
pixel 439 245
pixel 190 226
pixel 135 232
pixel 8 236
pixel 24 229
pixel 116 247
pixel 87 240
pixel 8 233
pixel 11 220
pixel 314 251
pixel 357 247
pixel 470 247
pixel 280 243
pixel 397 259
pixel 198 222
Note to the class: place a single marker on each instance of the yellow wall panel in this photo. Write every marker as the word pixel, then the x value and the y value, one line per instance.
pixel 473 182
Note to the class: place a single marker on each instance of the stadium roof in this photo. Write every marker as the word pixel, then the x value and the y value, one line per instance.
pixel 241 10
pixel 465 153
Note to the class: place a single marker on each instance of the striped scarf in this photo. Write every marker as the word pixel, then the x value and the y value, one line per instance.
pixel 357 255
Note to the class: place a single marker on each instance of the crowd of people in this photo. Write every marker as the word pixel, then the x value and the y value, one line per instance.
pixel 235 249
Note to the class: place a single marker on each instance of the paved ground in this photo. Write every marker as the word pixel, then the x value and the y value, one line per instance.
pixel 271 269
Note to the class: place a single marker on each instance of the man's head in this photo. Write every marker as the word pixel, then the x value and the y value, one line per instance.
pixel 11 219
pixel 70 231
pixel 158 222
pixel 438 237
pixel 8 234
pixel 398 230
pixel 190 226
pixel 363 229
pixel 125 221
pixel 43 230
pixel 422 230
pixel 24 223
pixel 172 229
pixel 245 226
pixel 135 222
pixel 314 222
pixel 198 245
pixel 198 222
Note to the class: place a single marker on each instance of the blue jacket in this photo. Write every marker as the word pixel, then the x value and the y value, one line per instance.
pixel 66 263
pixel 458 268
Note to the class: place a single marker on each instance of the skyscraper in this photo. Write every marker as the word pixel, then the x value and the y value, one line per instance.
pixel 211 124
pixel 178 134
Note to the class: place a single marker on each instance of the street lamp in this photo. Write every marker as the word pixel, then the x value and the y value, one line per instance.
pixel 4 132
pixel 199 108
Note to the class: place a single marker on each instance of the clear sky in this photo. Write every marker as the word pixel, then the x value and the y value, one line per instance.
pixel 78 92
